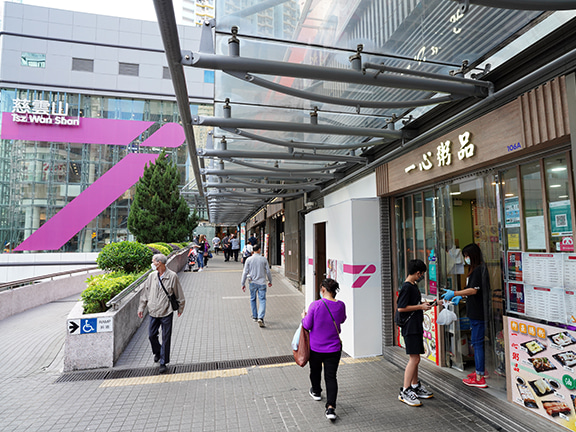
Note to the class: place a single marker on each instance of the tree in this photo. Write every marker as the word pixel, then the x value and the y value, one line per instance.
pixel 158 212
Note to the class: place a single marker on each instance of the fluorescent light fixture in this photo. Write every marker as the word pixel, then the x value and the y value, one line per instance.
pixel 509 195
pixel 563 196
pixel 455 193
pixel 555 186
pixel 557 169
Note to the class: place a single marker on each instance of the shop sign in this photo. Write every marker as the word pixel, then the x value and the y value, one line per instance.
pixel 444 154
pixel 43 112
pixel 543 363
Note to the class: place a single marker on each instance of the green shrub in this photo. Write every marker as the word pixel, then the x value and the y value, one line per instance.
pixel 161 248
pixel 166 245
pixel 102 288
pixel 125 256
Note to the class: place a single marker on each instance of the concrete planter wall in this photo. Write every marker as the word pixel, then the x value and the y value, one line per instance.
pixel 97 340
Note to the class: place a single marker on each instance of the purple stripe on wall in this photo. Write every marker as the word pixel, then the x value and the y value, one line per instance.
pixel 90 131
pixel 169 135
pixel 89 204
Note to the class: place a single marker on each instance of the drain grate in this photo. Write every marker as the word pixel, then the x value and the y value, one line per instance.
pixel 176 369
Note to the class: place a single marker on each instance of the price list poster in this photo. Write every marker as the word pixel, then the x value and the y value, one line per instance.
pixel 542 375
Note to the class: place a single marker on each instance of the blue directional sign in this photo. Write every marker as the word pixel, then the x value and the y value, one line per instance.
pixel 89 325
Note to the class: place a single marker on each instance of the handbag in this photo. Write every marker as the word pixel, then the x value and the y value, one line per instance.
pixel 172 297
pixel 302 354
pixel 401 322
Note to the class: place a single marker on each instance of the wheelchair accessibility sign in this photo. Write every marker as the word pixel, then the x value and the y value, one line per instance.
pixel 90 325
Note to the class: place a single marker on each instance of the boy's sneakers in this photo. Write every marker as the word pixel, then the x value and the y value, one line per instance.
pixel 422 392
pixel 315 396
pixel 330 414
pixel 473 382
pixel 409 397
pixel 473 375
pixel 261 322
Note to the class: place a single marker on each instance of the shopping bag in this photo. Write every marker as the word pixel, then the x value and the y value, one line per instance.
pixel 446 316
pixel 296 338
pixel 302 353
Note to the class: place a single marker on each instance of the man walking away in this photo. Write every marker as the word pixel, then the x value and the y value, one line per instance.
pixel 226 247
pixel 257 269
pixel 234 246
pixel 161 314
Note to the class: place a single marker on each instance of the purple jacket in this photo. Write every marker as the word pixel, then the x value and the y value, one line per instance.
pixel 323 335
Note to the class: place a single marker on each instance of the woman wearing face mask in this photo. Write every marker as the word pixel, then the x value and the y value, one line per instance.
pixel 476 291
pixel 323 320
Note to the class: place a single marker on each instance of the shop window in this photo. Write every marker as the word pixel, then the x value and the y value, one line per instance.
pixel 511 199
pixel 533 206
pixel 419 227
pixel 559 208
pixel 408 228
pixel 35 60
pixel 399 216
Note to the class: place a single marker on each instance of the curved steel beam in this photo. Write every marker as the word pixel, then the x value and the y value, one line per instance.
pixel 254 194
pixel 249 165
pixel 296 144
pixel 296 127
pixel 244 185
pixel 541 5
pixel 252 173
pixel 322 73
pixel 279 156
pixel 302 94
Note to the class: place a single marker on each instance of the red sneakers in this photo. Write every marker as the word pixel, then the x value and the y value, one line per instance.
pixel 473 382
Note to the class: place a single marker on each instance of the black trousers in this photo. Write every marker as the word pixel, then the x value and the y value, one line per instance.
pixel 226 254
pixel 330 361
pixel 235 253
pixel 162 350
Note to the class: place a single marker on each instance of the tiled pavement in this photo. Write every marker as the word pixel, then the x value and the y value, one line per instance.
pixel 216 325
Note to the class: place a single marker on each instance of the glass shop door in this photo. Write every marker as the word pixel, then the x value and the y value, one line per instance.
pixel 467 212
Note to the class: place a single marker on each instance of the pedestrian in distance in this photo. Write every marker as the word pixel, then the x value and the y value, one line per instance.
pixel 160 310
pixel 476 291
pixel 202 248
pixel 247 252
pixel 257 270
pixel 252 239
pixel 411 309
pixel 216 244
pixel 323 320
pixel 226 247
pixel 234 246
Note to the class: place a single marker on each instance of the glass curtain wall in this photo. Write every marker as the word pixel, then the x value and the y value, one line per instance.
pixel 38 179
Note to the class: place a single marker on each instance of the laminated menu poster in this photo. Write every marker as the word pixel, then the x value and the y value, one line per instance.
pixel 543 370
pixel 430 335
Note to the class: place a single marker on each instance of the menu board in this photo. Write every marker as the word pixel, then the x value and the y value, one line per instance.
pixel 543 365
pixel 548 291
pixel 542 269
pixel 545 303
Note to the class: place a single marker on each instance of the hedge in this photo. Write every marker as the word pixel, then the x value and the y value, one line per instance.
pixel 125 256
pixel 102 288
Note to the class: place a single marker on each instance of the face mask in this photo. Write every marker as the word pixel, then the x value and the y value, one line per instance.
pixel 467 260
pixel 154 268
pixel 421 278
pixel 321 296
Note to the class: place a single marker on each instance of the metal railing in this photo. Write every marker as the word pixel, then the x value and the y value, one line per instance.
pixel 29 281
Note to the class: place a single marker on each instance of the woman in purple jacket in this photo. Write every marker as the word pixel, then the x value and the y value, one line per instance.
pixel 323 320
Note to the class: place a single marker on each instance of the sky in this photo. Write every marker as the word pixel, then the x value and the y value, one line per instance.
pixel 137 9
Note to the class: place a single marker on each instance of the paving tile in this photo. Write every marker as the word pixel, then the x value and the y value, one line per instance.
pixel 216 326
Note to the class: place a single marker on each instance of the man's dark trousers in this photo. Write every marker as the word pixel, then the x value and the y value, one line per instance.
pixel 161 350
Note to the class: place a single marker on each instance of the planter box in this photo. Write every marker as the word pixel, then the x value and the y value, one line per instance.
pixel 97 340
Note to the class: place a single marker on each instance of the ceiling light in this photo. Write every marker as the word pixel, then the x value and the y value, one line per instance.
pixel 555 186
pixel 558 169
pixel 455 193
pixel 509 195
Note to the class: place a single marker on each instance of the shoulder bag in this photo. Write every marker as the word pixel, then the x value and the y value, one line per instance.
pixel 400 322
pixel 334 321
pixel 302 353
pixel 173 300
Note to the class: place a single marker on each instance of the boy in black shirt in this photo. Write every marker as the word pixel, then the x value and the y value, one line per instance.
pixel 411 312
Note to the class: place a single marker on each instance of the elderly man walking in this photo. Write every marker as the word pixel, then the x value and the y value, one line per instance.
pixel 257 269
pixel 161 283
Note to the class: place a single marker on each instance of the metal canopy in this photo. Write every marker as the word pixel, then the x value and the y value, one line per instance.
pixel 307 91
